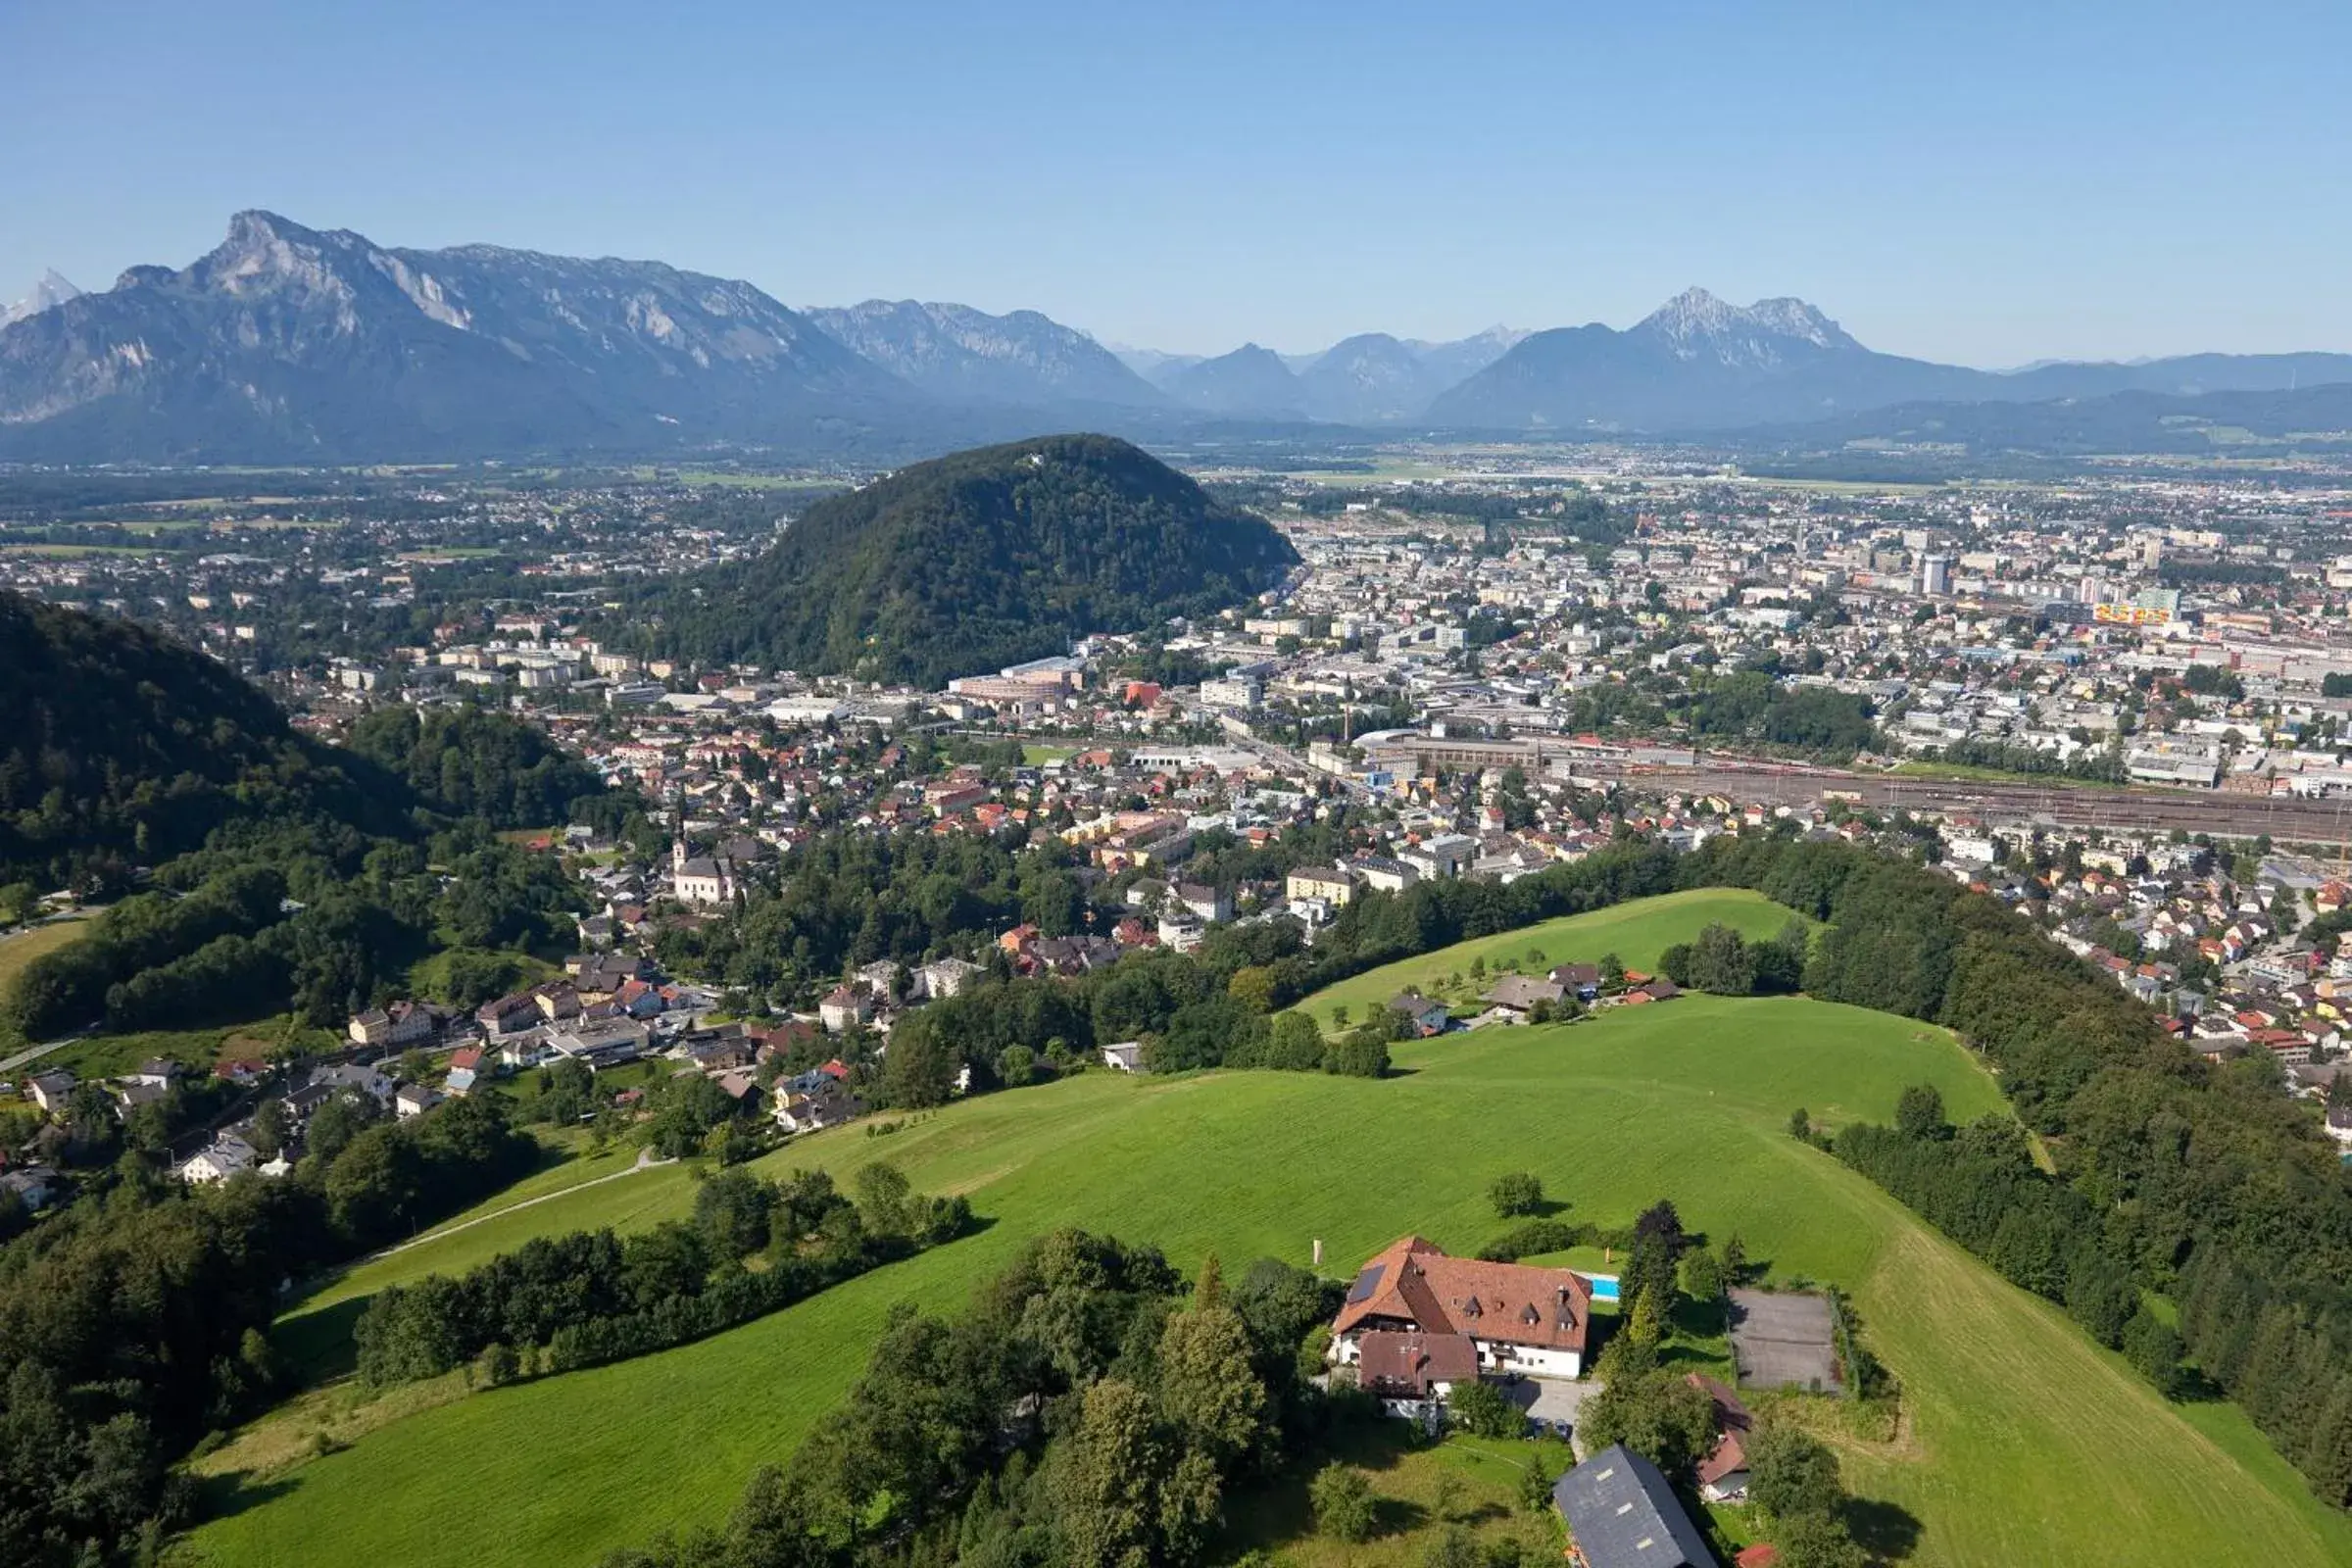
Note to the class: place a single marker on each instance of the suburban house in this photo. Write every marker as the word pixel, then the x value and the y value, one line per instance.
pixel 159 1072
pixel 1205 903
pixel 1622 1514
pixel 1426 1015
pixel 403 1024
pixel 948 977
pixel 51 1090
pixel 1515 1317
pixel 815 1099
pixel 507 1016
pixel 844 1009
pixel 1520 992
pixel 465 1067
pixel 414 1100
pixel 1723 1473
pixel 1582 978
pixel 1408 1372
pixel 227 1156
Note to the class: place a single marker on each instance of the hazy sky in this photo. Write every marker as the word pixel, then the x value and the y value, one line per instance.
pixel 1987 184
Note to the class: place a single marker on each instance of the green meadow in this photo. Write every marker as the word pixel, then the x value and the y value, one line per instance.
pixel 1636 932
pixel 2019 1443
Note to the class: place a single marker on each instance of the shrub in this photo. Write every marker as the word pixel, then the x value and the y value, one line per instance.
pixel 1342 1496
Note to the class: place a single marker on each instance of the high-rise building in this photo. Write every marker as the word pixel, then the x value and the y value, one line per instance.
pixel 1936 576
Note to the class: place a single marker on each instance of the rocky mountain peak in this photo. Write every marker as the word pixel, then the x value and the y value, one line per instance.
pixel 1695 323
pixel 47 294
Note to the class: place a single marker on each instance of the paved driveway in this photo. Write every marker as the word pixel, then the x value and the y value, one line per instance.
pixel 1552 1400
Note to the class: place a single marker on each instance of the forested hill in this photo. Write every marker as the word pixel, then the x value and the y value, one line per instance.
pixel 119 747
pixel 978 559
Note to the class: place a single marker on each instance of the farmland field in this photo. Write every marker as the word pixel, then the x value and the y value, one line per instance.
pixel 2020 1442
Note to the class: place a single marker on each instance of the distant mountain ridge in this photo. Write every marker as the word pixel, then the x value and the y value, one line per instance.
pixel 955 351
pixel 294 344
pixel 286 344
pixel 1700 364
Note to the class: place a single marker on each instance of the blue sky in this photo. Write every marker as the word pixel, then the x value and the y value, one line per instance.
pixel 1987 184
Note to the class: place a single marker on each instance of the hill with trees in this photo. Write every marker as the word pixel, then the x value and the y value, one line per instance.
pixel 978 559
pixel 273 870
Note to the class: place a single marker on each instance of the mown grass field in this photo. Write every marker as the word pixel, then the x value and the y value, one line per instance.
pixel 1636 932
pixel 2021 1442
pixel 19 947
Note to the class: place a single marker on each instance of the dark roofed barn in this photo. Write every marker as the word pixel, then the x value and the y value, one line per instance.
pixel 1624 1515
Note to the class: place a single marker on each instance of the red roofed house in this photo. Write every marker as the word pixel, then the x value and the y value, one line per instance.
pixel 1406 1371
pixel 1723 1473
pixel 1517 1318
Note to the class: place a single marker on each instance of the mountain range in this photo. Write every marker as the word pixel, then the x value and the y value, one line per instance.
pixel 286 344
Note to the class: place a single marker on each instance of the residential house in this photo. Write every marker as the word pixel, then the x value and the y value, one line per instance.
pixel 414 1100
pixel 51 1090
pixel 1723 1473
pixel 227 1156
pixel 1621 1513
pixel 157 1073
pixel 1205 903
pixel 1582 978
pixel 948 977
pixel 1408 1371
pixel 813 1101
pixel 464 1069
pixel 1426 1015
pixel 36 1187
pixel 1518 1318
pixel 507 1016
pixel 843 1009
pixel 395 1027
pixel 1521 992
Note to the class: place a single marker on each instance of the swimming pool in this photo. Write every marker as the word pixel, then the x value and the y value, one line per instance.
pixel 1605 1287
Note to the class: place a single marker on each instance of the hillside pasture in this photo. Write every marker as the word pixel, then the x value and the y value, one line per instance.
pixel 2020 1442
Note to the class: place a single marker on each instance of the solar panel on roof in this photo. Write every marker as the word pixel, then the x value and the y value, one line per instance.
pixel 1366 1283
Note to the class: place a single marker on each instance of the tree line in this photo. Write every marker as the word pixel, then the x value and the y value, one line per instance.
pixel 134 1321
pixel 559 1303
pixel 2173 1175
pixel 1084 1409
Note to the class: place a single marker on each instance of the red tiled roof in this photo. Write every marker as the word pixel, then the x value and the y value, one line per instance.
pixel 1418 1285
pixel 1402 1366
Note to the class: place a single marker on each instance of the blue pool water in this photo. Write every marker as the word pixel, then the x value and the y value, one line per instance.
pixel 1605 1287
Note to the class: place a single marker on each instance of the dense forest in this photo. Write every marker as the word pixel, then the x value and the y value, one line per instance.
pixel 120 745
pixel 962 565
pixel 272 870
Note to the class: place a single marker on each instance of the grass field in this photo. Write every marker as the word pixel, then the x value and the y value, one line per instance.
pixel 20 947
pixel 2020 1442
pixel 104 1056
pixel 1038 755
pixel 1636 932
